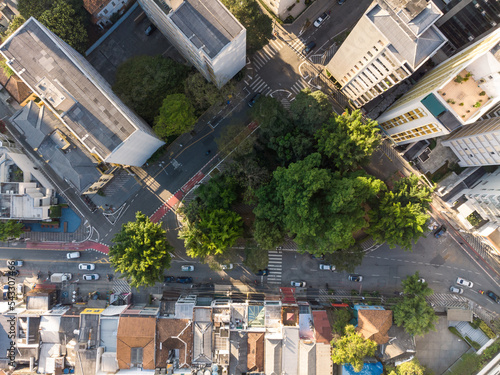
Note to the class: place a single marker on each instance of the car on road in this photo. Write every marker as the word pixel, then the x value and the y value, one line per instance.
pixel 264 272
pixel 322 256
pixel 5 295
pixel 320 20
pixel 440 231
pixel 252 101
pixel 463 282
pixel 298 284
pixel 15 263
pixel 86 266
pixel 454 289
pixel 421 280
pixel 150 30
pixel 326 267
pixel 20 289
pixel 184 280
pixel 169 279
pixel 73 255
pixel 493 296
pixel 308 48
pixel 91 276
pixel 227 266
pixel 354 277
pixel 187 268
pixel 340 2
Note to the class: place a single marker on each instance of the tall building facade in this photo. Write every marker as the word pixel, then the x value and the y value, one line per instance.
pixel 391 40
pixel 79 96
pixel 280 7
pixel 204 32
pixel 457 92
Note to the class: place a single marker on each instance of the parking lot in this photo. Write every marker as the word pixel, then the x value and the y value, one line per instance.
pixel 129 40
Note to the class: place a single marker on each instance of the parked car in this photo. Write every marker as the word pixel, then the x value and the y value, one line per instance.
pixel 5 295
pixel 86 266
pixel 493 296
pixel 355 278
pixel 91 276
pixel 421 280
pixel 20 289
pixel 253 100
pixel 320 20
pixel 322 256
pixel 326 267
pixel 463 282
pixel 440 231
pixel 187 268
pixel 264 272
pixel 340 2
pixel 73 255
pixel 150 29
pixel 298 284
pixel 454 289
pixel 184 280
pixel 15 263
pixel 227 266
pixel 169 279
pixel 308 48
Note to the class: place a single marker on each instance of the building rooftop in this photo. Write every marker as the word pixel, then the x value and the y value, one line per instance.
pixel 255 352
pixel 290 349
pixel 273 355
pixel 374 324
pixel 208 24
pixel 94 6
pixel 323 330
pixel 136 332
pixel 15 87
pixel 109 328
pixel 307 358
pixel 174 334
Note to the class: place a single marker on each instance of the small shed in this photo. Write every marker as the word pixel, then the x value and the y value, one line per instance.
pixel 459 315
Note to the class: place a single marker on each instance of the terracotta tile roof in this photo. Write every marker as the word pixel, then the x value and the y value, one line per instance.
pixel 174 334
pixel 136 332
pixel 94 6
pixel 255 351
pixel 15 87
pixel 374 324
pixel 322 327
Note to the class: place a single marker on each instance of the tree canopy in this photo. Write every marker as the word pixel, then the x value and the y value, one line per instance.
pixel 141 251
pixel 400 217
pixel 352 348
pixel 310 110
pixel 412 367
pixel 203 94
pixel 413 286
pixel 10 229
pixel 415 315
pixel 142 82
pixel 176 116
pixel 256 258
pixel 33 8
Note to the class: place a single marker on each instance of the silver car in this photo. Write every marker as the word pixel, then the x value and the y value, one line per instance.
pixel 187 268
pixel 461 281
pixel 454 289
pixel 298 284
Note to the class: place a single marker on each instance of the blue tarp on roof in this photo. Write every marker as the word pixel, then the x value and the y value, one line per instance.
pixel 368 369
pixel 433 105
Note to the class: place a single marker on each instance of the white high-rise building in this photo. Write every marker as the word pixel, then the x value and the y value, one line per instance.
pixel 79 96
pixel 457 92
pixel 389 43
pixel 204 32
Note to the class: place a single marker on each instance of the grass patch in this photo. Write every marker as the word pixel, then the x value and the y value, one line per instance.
pixel 474 344
pixel 55 212
pixel 474 219
pixel 470 363
pixel 455 332
pixel 339 39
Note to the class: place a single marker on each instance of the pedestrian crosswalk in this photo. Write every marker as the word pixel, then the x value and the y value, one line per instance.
pixel 286 103
pixel 257 84
pixel 299 86
pixel 297 44
pixel 261 57
pixel 121 286
pixel 275 267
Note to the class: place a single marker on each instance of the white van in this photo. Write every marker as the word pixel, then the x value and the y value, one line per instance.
pixel 73 255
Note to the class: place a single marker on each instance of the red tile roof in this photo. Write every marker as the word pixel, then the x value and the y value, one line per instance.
pixel 94 6
pixel 136 332
pixel 374 325
pixel 174 334
pixel 15 87
pixel 322 327
pixel 255 351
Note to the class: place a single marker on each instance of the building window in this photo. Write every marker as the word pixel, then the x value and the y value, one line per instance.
pixel 403 119
pixel 415 133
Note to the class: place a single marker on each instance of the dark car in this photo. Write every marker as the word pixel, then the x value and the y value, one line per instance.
pixel 184 280
pixel 493 296
pixel 340 2
pixel 322 256
pixel 169 279
pixel 253 100
pixel 440 231
pixel 150 29
pixel 263 272
pixel 309 47
pixel 355 278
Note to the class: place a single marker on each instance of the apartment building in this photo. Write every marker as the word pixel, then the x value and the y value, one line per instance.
pixel 204 32
pixel 78 96
pixel 457 92
pixel 102 10
pixel 389 43
pixel 280 7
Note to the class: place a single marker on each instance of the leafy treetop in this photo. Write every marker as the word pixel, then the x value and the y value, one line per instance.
pixel 10 229
pixel 176 117
pixel 413 286
pixel 352 348
pixel 415 315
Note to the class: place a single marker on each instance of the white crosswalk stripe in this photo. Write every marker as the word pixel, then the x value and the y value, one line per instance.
pixel 298 44
pixel 275 267
pixel 285 103
pixel 299 86
pixel 259 85
pixel 121 286
pixel 260 58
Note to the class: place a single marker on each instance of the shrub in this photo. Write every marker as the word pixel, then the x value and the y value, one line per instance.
pixel 354 292
pixel 455 332
pixel 475 323
pixel 487 330
pixel 55 212
pixel 461 104
pixel 474 344
pixel 482 93
pixel 477 105
pixel 458 79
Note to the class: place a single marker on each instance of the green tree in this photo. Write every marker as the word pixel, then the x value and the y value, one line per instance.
pixel 272 118
pixel 203 94
pixel 219 192
pixel 412 367
pixel 258 25
pixel 15 24
pixel 346 259
pixel 400 217
pixel 256 258
pixel 33 8
pixel 352 348
pixel 142 82
pixel 176 116
pixel 413 287
pixel 415 315
pixel 10 229
pixel 342 317
pixel 310 110
pixel 63 20
pixel 348 140
pixel 267 234
pixel 141 252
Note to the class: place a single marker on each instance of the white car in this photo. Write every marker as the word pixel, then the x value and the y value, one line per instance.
pixel 91 276
pixel 15 263
pixel 187 268
pixel 86 266
pixel 326 267
pixel 320 20
pixel 299 284
pixel 454 289
pixel 73 255
pixel 421 280
pixel 463 282
pixel 227 266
